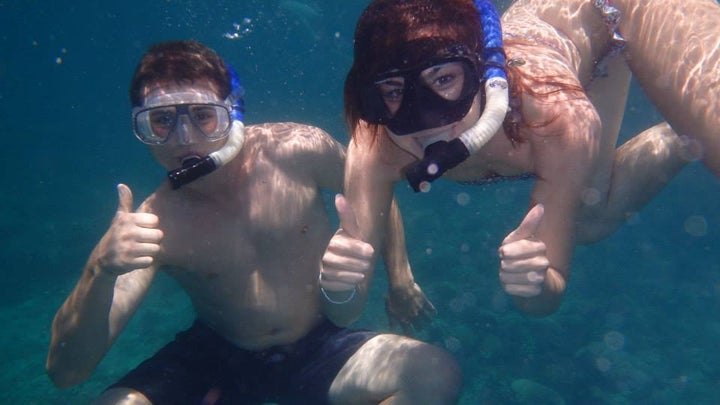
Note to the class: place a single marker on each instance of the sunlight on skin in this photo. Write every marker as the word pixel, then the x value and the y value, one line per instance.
pixel 648 161
pixel 372 375
pixel 687 93
pixel 285 206
pixel 122 396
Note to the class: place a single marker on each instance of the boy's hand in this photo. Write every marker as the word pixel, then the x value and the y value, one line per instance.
pixel 133 239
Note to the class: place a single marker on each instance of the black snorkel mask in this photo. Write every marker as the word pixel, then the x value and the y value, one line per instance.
pixel 433 93
pixel 421 110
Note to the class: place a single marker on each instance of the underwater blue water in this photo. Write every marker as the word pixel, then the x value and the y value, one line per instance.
pixel 640 320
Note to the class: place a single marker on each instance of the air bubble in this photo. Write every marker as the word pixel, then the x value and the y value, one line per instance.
pixel 696 225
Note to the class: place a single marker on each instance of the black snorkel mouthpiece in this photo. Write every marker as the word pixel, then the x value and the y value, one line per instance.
pixel 439 157
pixel 191 170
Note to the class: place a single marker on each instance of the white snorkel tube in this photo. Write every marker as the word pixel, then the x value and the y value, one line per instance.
pixel 232 146
pixel 442 156
pixel 492 116
pixel 496 85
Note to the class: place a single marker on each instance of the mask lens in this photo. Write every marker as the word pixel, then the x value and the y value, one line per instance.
pixel 431 86
pixel 391 92
pixel 430 96
pixel 212 121
pixel 447 80
pixel 155 125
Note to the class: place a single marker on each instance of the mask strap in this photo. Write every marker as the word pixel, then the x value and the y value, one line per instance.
pixel 236 96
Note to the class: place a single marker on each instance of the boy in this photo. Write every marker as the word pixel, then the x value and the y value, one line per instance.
pixel 242 228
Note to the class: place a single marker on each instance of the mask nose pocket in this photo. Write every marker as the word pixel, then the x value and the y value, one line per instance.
pixel 184 129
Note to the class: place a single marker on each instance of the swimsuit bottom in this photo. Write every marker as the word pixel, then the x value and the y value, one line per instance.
pixel 200 367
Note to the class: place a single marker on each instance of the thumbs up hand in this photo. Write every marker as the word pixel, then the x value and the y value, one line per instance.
pixel 347 259
pixel 133 239
pixel 523 259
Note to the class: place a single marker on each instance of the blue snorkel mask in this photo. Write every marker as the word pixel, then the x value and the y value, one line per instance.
pixel 195 168
pixel 442 156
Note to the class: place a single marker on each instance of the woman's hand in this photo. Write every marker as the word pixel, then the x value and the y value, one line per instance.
pixel 523 258
pixel 347 260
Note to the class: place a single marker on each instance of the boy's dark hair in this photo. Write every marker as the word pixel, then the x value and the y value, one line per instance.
pixel 180 62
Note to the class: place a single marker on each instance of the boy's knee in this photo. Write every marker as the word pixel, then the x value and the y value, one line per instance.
pixel 438 373
pixel 122 396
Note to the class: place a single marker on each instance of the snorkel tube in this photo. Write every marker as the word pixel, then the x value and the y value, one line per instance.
pixel 442 156
pixel 496 84
pixel 194 169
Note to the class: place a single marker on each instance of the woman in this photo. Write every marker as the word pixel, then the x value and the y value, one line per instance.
pixel 413 105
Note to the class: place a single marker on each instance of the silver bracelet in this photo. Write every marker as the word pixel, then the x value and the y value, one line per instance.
pixel 345 301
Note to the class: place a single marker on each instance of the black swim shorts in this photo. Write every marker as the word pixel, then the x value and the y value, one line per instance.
pixel 200 367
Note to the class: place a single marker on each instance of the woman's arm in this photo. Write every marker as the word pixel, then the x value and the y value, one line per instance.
pixel 405 303
pixel 370 174
pixel 535 264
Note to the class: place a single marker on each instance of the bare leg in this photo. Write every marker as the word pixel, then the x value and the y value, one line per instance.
pixel 391 369
pixel 626 179
pixel 673 49
pixel 642 167
pixel 609 96
pixel 122 396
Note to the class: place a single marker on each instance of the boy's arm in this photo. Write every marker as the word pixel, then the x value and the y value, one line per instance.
pixel 90 320
pixel 114 282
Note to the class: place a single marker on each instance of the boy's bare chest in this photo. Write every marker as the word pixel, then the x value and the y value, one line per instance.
pixel 243 236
